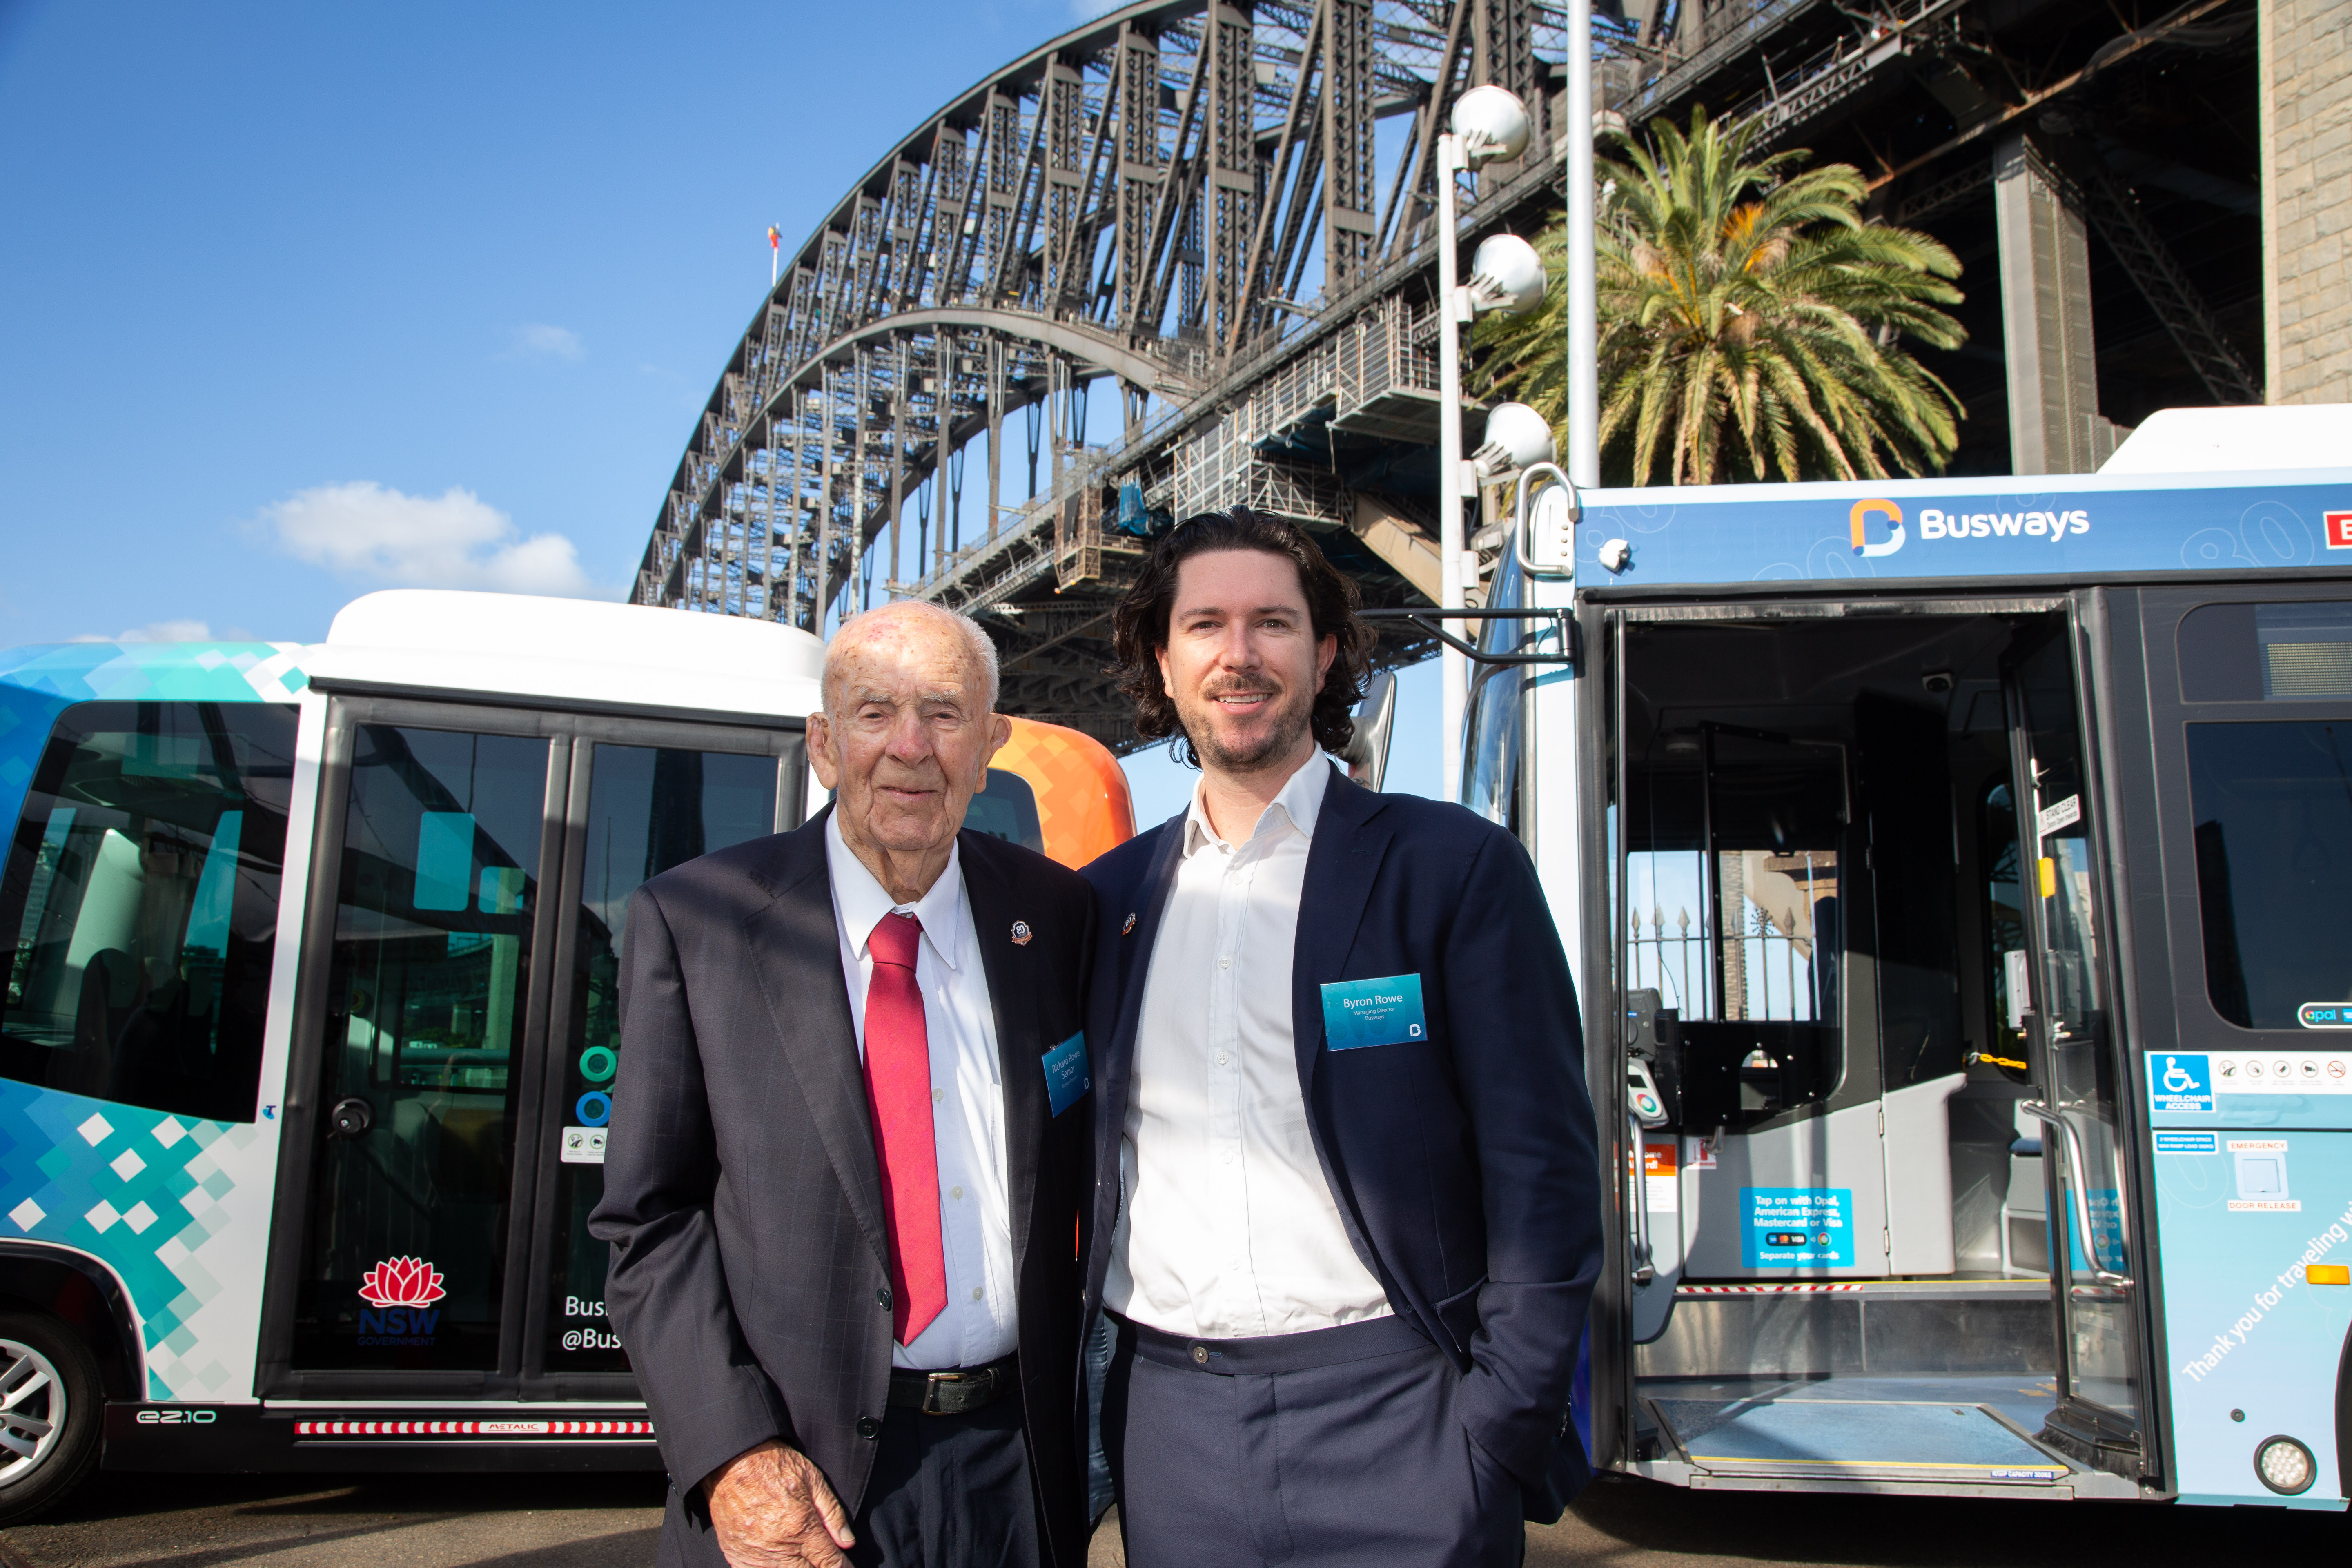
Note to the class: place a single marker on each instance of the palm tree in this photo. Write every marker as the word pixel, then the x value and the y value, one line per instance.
pixel 1750 322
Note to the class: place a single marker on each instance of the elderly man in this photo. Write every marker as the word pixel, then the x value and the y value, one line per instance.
pixel 848 1146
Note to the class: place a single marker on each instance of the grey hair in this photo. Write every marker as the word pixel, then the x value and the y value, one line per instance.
pixel 982 651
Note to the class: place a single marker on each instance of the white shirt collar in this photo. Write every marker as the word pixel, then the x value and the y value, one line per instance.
pixel 1300 802
pixel 862 899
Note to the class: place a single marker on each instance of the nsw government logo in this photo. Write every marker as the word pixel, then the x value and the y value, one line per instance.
pixel 400 1293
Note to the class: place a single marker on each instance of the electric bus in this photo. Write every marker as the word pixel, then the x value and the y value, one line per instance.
pixel 1958 876
pixel 309 1039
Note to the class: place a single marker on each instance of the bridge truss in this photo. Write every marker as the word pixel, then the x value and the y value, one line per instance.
pixel 1221 213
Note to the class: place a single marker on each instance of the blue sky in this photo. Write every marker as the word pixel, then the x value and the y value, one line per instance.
pixel 299 301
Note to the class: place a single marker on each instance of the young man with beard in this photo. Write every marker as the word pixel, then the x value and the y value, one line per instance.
pixel 1346 1215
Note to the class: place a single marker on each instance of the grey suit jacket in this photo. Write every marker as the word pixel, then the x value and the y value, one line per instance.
pixel 742 1195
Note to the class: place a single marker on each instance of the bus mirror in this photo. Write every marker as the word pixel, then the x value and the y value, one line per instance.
pixel 1367 754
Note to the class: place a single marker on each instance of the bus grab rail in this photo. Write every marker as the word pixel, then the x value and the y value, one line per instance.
pixel 2077 1189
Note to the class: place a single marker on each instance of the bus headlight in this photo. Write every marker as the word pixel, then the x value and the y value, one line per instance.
pixel 2286 1466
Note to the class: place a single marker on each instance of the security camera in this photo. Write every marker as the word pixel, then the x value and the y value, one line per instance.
pixel 1936 682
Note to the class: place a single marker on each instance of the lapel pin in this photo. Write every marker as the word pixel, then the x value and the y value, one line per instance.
pixel 1021 933
pixel 1129 928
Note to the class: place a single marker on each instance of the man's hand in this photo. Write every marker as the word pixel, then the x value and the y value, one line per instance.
pixel 771 1508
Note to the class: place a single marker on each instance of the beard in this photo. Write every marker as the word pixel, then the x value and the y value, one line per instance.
pixel 1274 741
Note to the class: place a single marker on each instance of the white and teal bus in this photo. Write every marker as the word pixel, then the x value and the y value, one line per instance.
pixel 1960 877
pixel 308 1043
pixel 308 1037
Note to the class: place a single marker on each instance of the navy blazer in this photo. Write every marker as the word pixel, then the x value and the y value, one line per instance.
pixel 1465 1165
pixel 742 1198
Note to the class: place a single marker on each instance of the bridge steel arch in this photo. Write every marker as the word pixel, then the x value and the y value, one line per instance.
pixel 1223 208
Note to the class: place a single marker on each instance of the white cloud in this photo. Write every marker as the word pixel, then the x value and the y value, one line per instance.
pixel 155 631
pixel 536 340
pixel 453 540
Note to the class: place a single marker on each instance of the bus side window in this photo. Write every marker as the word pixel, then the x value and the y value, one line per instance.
pixel 142 895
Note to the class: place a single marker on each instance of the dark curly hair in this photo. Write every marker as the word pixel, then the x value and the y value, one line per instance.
pixel 1139 625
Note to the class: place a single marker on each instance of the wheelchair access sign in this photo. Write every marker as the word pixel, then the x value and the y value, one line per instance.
pixel 2180 1084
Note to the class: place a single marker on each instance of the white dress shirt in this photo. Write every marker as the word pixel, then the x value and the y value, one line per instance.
pixel 976 1326
pixel 1227 1228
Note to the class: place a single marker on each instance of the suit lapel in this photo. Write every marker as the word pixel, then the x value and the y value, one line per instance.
pixel 1350 844
pixel 795 948
pixel 1012 997
pixel 1134 959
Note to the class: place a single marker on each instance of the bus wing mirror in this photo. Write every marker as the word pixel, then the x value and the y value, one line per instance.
pixel 1366 755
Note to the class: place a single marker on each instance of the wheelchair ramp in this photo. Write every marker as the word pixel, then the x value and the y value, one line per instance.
pixel 1939 1430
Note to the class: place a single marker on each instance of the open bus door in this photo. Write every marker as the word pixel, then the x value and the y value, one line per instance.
pixel 1835 1273
pixel 2073 1051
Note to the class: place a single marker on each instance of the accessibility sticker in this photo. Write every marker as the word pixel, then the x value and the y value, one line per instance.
pixel 2187 1142
pixel 2182 1085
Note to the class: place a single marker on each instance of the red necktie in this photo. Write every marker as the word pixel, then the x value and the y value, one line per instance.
pixel 899 1088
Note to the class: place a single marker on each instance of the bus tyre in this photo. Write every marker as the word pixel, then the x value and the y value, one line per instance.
pixel 51 1414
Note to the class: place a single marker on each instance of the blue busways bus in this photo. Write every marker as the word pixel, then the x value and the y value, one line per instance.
pixel 1960 875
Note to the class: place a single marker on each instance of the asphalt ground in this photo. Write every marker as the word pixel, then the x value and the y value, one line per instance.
pixel 611 1521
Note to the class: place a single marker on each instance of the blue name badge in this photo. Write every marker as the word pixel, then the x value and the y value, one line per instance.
pixel 1065 1072
pixel 1383 1012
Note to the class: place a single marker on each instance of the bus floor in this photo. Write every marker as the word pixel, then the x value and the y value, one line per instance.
pixel 1948 1427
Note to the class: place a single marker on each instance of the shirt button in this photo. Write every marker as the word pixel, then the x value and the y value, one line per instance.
pixel 882 1298
pixel 975 1292
pixel 955 1192
pixel 938 1094
pixel 1225 963
pixel 1222 1058
pixel 869 1429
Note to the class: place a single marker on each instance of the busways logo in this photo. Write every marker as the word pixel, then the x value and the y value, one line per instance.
pixel 1936 523
pixel 400 1291
pixel 1859 519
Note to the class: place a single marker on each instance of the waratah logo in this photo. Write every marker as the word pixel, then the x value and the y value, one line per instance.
pixel 402 1282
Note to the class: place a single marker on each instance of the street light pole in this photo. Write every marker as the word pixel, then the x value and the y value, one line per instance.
pixel 1488 123
pixel 1583 329
pixel 1453 670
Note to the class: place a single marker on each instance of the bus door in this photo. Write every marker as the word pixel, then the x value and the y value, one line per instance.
pixel 2073 1051
pixel 454 1044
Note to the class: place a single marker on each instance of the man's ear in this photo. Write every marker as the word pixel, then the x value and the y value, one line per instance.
pixel 1325 652
pixel 820 749
pixel 999 730
pixel 1161 653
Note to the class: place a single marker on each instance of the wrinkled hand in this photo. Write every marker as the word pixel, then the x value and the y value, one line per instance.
pixel 771 1508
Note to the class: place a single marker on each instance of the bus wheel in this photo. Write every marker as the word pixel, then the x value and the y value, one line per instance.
pixel 50 1414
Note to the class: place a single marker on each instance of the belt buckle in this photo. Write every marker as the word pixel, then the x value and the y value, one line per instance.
pixel 935 1382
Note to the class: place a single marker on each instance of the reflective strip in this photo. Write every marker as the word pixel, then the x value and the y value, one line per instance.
pixel 473 1428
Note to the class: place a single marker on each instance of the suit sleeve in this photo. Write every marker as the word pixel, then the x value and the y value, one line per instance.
pixel 1518 1053
pixel 667 1290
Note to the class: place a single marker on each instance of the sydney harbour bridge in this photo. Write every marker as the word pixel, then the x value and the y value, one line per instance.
pixel 1218 218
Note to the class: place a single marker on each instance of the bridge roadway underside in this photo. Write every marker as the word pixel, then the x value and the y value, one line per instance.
pixel 1222 214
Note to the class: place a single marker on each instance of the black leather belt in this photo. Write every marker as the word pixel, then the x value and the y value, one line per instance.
pixel 958 1393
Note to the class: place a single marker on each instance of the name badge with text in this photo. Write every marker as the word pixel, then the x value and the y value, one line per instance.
pixel 1066 1080
pixel 1383 1012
